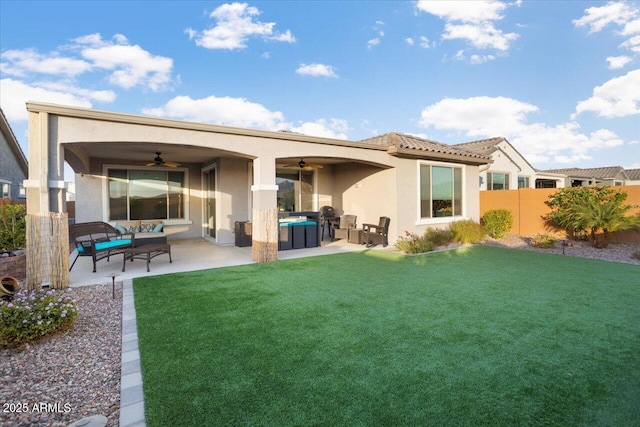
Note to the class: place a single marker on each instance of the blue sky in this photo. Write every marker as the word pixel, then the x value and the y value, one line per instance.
pixel 559 79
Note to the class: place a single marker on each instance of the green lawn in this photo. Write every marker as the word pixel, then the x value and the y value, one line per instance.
pixel 476 336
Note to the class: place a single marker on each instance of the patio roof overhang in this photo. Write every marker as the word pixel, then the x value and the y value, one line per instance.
pixel 439 156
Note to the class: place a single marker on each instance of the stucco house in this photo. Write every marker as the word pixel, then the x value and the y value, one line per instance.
pixel 13 163
pixel 589 177
pixel 207 177
pixel 634 176
pixel 509 169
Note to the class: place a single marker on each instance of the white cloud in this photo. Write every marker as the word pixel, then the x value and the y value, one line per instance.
pixel 128 65
pixel 472 21
pixel 235 24
pixel 475 11
pixel 483 35
pixel 14 94
pixel 333 128
pixel 317 70
pixel 409 41
pixel 616 62
pixel 598 17
pixel 223 111
pixel 372 43
pixel 131 65
pixel 424 42
pixel 619 97
pixel 620 14
pixel 22 62
pixel 483 117
pixel 481 59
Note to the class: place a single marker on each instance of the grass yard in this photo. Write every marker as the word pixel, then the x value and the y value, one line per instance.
pixel 476 336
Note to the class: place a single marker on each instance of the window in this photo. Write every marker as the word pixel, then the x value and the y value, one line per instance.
pixel 497 181
pixel 5 190
pixel 440 191
pixel 295 190
pixel 146 194
pixel 523 182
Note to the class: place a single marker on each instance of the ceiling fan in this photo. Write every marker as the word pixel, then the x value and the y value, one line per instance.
pixel 158 161
pixel 302 165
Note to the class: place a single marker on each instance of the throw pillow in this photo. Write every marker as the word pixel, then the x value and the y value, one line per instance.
pixel 147 227
pixel 158 228
pixel 121 229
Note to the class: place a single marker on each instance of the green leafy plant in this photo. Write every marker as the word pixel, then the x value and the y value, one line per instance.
pixel 594 212
pixel 412 243
pixel 543 241
pixel 497 222
pixel 467 231
pixel 438 236
pixel 13 228
pixel 33 314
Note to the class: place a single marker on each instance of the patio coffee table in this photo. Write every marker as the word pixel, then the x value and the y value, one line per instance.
pixel 147 252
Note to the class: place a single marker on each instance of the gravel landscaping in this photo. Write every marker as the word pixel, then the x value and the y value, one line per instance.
pixel 71 375
pixel 75 374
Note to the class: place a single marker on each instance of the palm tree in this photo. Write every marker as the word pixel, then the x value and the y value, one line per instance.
pixel 600 220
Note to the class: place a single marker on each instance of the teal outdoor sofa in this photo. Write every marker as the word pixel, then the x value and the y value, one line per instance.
pixel 98 240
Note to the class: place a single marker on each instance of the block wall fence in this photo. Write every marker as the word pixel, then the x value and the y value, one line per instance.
pixel 527 207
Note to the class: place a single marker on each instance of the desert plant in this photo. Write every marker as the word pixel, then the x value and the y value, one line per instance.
pixel 13 226
pixel 636 254
pixel 33 314
pixel 412 243
pixel 543 241
pixel 438 236
pixel 497 222
pixel 565 201
pixel 467 231
pixel 600 219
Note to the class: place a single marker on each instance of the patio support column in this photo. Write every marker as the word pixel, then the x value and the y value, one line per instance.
pixel 265 210
pixel 47 231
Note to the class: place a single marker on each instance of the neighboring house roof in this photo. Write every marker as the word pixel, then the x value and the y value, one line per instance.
pixel 633 174
pixel 403 144
pixel 13 143
pixel 609 172
pixel 488 146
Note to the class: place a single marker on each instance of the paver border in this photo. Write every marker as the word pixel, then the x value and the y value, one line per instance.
pixel 131 392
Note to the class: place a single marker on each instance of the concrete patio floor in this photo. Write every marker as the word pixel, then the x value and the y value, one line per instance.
pixel 188 255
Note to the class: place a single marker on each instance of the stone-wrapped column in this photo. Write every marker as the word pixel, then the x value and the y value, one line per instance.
pixel 264 228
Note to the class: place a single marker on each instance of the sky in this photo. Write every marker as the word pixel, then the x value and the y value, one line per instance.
pixel 559 79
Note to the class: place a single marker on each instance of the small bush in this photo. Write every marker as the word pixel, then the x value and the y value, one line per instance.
pixel 34 314
pixel 438 236
pixel 414 244
pixel 467 231
pixel 497 222
pixel 636 254
pixel 543 241
pixel 13 228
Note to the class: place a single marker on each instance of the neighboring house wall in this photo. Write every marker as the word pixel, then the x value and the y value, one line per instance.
pixel 13 164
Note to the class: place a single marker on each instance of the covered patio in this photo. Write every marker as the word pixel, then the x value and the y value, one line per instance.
pixel 190 255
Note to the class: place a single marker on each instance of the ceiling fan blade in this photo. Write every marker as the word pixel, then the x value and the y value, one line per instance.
pixel 171 164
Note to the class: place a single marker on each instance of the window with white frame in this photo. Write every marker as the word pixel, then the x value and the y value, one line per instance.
pixel 5 190
pixel 149 194
pixel 497 181
pixel 523 182
pixel 440 191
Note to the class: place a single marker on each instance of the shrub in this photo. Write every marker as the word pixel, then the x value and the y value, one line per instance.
pixel 636 254
pixel 438 236
pixel 34 314
pixel 594 212
pixel 467 231
pixel 13 228
pixel 414 244
pixel 543 241
pixel 497 222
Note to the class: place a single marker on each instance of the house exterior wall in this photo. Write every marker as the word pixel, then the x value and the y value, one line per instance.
pixel 507 160
pixel 10 171
pixel 232 193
